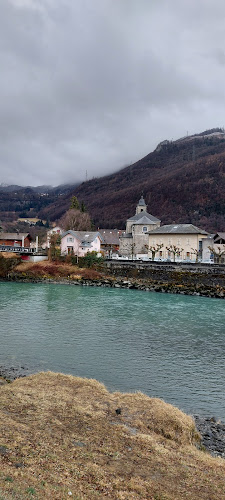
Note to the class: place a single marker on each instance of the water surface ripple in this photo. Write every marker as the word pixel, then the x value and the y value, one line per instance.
pixel 168 346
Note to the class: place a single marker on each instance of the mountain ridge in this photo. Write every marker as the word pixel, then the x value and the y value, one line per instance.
pixel 182 181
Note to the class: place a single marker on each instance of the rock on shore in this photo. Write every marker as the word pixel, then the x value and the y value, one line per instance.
pixel 212 434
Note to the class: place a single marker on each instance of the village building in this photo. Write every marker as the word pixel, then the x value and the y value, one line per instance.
pixel 146 238
pixel 214 248
pixel 180 242
pixel 134 241
pixel 110 241
pixel 79 243
pixel 15 239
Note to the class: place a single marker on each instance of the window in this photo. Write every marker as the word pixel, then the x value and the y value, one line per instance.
pixel 169 241
pixel 70 240
pixel 178 242
pixel 144 229
pixel 188 241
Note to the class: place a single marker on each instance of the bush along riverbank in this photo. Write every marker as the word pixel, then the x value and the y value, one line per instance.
pixel 68 436
pixel 148 285
pixel 209 281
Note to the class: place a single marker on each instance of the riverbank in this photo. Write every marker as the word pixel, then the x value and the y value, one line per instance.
pixel 66 436
pixel 207 281
pixel 212 431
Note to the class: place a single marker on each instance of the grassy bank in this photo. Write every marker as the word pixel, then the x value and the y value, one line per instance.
pixel 208 282
pixel 61 437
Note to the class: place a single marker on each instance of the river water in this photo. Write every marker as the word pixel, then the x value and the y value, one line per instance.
pixel 167 346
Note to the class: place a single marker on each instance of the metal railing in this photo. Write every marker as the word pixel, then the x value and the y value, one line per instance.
pixel 18 249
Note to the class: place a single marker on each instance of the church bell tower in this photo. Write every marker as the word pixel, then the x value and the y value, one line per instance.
pixel 141 206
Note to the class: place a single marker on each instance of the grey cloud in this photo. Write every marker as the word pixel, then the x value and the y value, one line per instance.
pixel 96 85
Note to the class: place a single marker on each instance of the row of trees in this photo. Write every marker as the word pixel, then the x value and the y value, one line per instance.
pixel 173 249
pixel 217 251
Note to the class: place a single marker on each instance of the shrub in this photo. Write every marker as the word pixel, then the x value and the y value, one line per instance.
pixel 90 260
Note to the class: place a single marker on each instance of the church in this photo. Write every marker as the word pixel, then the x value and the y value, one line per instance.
pixel 145 236
pixel 136 239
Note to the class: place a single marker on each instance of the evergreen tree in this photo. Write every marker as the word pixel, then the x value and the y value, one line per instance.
pixel 83 208
pixel 74 203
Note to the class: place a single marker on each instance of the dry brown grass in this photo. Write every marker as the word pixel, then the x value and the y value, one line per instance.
pixel 9 255
pixel 47 269
pixel 61 434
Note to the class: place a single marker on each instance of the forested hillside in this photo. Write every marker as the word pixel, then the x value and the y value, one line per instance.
pixel 182 181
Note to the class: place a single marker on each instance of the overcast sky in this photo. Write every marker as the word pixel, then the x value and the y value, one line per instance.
pixel 94 85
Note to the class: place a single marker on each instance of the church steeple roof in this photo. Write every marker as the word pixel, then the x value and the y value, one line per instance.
pixel 142 202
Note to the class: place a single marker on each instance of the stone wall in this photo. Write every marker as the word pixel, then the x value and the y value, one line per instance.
pixel 191 279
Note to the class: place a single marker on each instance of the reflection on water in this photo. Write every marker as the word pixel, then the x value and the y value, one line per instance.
pixel 168 346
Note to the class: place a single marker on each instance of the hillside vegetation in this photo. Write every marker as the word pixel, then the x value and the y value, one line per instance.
pixel 182 181
pixel 67 437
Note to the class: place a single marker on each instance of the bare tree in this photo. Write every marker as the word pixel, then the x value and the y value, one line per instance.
pixel 218 252
pixel 75 220
pixel 130 247
pixel 174 250
pixel 195 252
pixel 155 249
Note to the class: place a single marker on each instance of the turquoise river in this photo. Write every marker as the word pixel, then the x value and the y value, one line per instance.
pixel 167 346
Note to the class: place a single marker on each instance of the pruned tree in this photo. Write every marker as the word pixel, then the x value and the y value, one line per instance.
pixel 218 252
pixel 155 249
pixel 75 220
pixel 175 251
pixel 195 252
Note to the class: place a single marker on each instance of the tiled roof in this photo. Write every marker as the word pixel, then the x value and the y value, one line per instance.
pixel 219 236
pixel 14 236
pixel 178 229
pixel 145 220
pixel 138 217
pixel 84 237
pixel 110 236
